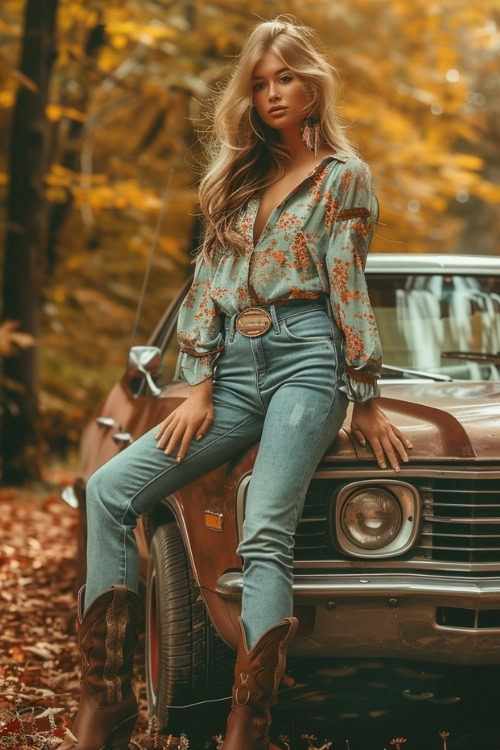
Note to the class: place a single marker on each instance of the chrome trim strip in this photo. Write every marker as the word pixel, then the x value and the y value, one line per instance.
pixel 451 519
pixel 458 549
pixel 416 564
pixel 461 536
pixel 406 471
pixel 427 263
pixel 467 505
pixel 461 492
pixel 314 519
pixel 422 373
pixel 346 585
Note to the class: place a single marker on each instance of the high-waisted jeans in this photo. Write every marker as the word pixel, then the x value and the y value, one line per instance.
pixel 281 387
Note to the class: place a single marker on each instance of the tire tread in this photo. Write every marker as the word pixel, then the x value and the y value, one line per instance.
pixel 194 662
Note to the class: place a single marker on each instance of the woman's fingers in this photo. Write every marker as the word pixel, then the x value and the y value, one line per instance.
pixel 193 430
pixel 391 456
pixel 401 436
pixel 189 433
pixel 175 437
pixel 393 437
pixel 385 438
pixel 165 432
pixel 204 427
pixel 386 442
pixel 164 424
pixel 182 432
pixel 359 435
pixel 181 425
pixel 378 450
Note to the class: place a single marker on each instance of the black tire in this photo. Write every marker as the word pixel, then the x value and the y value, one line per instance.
pixel 186 660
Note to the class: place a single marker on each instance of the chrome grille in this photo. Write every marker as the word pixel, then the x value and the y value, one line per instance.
pixel 460 520
pixel 313 538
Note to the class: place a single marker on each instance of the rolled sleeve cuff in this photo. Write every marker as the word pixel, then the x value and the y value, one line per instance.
pixel 196 369
pixel 360 386
pixel 197 366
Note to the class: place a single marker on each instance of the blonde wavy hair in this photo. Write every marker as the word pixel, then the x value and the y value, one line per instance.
pixel 241 148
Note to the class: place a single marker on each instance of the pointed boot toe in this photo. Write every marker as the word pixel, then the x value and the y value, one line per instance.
pixel 257 674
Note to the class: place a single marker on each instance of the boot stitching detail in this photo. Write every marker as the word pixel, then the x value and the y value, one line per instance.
pixel 115 631
pixel 243 683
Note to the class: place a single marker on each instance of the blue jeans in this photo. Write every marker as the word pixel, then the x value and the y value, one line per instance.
pixel 282 388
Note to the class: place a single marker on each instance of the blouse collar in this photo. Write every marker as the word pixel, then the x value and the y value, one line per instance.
pixel 254 200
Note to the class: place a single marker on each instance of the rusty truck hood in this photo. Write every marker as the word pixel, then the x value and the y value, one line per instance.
pixel 452 421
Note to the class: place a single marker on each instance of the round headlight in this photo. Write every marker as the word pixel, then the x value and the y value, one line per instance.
pixel 371 519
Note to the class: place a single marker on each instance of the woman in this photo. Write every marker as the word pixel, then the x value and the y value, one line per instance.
pixel 277 335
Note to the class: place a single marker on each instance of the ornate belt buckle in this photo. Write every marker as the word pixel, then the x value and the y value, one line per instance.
pixel 253 322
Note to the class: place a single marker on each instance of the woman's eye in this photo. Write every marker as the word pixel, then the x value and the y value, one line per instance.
pixel 283 78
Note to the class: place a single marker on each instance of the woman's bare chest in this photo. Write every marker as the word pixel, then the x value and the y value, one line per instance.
pixel 271 197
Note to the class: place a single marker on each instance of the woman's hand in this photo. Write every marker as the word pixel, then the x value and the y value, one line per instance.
pixel 193 417
pixel 370 423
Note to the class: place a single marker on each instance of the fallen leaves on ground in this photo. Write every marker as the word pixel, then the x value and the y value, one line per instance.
pixel 39 655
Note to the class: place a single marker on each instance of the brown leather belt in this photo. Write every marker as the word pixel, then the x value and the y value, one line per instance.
pixel 254 321
pixel 291 300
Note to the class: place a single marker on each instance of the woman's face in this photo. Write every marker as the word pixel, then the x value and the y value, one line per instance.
pixel 273 84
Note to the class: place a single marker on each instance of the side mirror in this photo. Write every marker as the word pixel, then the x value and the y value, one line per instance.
pixel 146 360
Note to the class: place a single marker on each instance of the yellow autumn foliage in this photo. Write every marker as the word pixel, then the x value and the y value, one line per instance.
pixel 128 103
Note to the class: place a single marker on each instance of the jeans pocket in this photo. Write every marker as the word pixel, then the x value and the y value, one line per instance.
pixel 307 327
pixel 339 353
pixel 221 340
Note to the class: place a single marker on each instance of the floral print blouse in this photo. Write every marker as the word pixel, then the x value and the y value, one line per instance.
pixel 314 242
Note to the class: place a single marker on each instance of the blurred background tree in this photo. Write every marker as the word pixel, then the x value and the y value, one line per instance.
pixel 128 98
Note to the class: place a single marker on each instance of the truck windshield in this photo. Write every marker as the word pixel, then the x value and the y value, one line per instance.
pixel 439 323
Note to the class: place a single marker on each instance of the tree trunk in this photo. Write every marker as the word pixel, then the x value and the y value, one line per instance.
pixel 20 443
pixel 71 156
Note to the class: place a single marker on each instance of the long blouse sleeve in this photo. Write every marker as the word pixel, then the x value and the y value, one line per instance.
pixel 199 326
pixel 351 218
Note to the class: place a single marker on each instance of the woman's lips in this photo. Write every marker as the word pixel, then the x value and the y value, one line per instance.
pixel 277 111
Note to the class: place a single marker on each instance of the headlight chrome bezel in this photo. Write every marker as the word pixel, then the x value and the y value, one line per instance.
pixel 409 502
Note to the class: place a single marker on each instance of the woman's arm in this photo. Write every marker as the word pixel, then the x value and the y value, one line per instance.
pixel 350 216
pixel 199 326
pixel 199 332
pixel 352 221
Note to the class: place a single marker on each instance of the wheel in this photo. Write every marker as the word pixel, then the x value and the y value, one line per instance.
pixel 186 660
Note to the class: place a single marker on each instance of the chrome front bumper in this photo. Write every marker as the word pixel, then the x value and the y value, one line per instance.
pixel 316 588
pixel 391 615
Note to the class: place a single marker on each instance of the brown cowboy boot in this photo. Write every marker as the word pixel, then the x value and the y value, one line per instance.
pixel 107 634
pixel 257 673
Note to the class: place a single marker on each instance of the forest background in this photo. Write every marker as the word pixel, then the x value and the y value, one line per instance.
pixel 101 101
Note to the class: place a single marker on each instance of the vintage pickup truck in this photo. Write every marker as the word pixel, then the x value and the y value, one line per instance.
pixel 386 565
